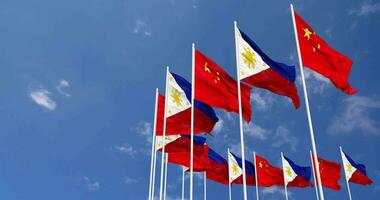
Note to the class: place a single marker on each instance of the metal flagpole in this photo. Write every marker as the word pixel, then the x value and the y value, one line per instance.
pixel 166 174
pixel 154 167
pixel 240 116
pixel 204 186
pixel 229 182
pixel 192 120
pixel 344 167
pixel 286 190
pixel 183 183
pixel 314 177
pixel 256 178
pixel 153 148
pixel 314 147
pixel 163 135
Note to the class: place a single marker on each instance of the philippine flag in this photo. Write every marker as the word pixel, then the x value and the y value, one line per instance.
pixel 294 175
pixel 178 111
pixel 355 173
pixel 259 70
pixel 235 170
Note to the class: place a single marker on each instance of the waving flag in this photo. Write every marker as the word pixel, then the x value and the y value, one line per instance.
pixel 179 110
pixel 330 173
pixel 355 173
pixel 294 175
pixel 267 175
pixel 259 70
pixel 319 56
pixel 235 170
pixel 200 159
pixel 217 88
pixel 217 169
pixel 180 143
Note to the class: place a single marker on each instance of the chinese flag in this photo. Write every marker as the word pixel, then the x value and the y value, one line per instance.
pixel 267 175
pixel 217 88
pixel 330 173
pixel 319 56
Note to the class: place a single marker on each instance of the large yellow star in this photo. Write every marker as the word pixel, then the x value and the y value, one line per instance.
pixel 249 58
pixel 206 68
pixel 176 98
pixel 307 33
pixel 260 164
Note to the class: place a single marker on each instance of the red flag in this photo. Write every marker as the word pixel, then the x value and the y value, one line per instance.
pixel 320 57
pixel 200 159
pixel 267 175
pixel 330 173
pixel 217 88
pixel 217 168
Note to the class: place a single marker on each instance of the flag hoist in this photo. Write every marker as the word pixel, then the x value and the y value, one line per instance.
pixel 310 123
pixel 240 113
pixel 153 155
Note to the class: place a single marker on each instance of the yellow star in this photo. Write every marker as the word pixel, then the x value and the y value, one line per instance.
pixel 307 33
pixel 288 171
pixel 249 58
pixel 176 98
pixel 260 164
pixel 318 46
pixel 206 68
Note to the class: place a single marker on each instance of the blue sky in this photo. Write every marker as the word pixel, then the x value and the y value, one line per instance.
pixel 78 78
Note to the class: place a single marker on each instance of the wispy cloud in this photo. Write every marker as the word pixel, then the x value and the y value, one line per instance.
pixel 130 180
pixel 91 185
pixel 256 131
pixel 42 98
pixel 126 149
pixel 274 190
pixel 283 136
pixel 365 9
pixel 141 27
pixel 356 115
pixel 316 83
pixel 262 100
pixel 61 86
pixel 145 129
pixel 218 127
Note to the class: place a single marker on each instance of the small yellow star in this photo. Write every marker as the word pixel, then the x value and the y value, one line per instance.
pixel 307 33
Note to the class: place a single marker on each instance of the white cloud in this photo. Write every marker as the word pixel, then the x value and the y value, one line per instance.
pixel 255 131
pixel 356 115
pixel 141 27
pixel 262 100
pixel 60 87
pixel 275 190
pixel 91 185
pixel 316 83
pixel 218 127
pixel 126 149
pixel 145 129
pixel 282 137
pixel 366 8
pixel 328 32
pixel 41 97
pixel 129 180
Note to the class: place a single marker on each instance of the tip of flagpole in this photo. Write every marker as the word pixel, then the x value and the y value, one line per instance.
pixel 193 45
pixel 156 89
pixel 167 68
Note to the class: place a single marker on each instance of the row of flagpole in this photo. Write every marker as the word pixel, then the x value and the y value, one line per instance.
pixel 313 153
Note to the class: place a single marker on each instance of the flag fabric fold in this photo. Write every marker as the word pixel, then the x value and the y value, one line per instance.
pixel 217 169
pixel 259 70
pixel 200 159
pixel 217 88
pixel 330 173
pixel 294 175
pixel 355 173
pixel 267 175
pixel 180 143
pixel 320 57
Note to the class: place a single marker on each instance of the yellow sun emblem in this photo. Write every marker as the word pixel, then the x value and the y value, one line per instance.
pixel 235 169
pixel 176 98
pixel 288 171
pixel 249 57
pixel 349 167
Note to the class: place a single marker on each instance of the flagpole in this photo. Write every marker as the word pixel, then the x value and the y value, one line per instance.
pixel 166 174
pixel 183 183
pixel 283 172
pixel 240 115
pixel 154 168
pixel 229 182
pixel 163 135
pixel 314 147
pixel 192 120
pixel 256 178
pixel 153 148
pixel 314 177
pixel 204 186
pixel 345 170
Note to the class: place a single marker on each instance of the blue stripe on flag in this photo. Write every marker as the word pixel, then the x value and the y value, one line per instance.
pixel 249 168
pixel 305 172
